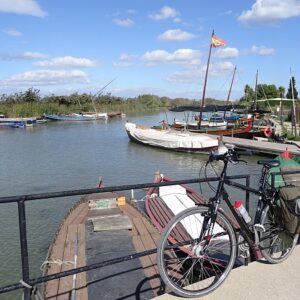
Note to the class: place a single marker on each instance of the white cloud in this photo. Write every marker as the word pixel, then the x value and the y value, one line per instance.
pixel 12 32
pixel 262 50
pixel 270 11
pixel 219 69
pixel 124 22
pixel 22 7
pixel 185 76
pixel 166 12
pixel 180 56
pixel 67 62
pixel 125 60
pixel 227 53
pixel 23 56
pixel 122 64
pixel 176 35
pixel 47 77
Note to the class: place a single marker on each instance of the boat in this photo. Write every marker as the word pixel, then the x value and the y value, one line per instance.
pixel 164 202
pixel 234 124
pixel 171 139
pixel 18 122
pixel 84 116
pixel 102 227
pixel 71 117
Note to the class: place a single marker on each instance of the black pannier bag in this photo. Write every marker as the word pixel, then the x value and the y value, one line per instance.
pixel 290 203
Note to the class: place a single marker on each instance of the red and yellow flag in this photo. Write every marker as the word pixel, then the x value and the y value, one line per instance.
pixel 217 42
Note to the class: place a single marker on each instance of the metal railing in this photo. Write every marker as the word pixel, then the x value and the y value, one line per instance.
pixel 27 283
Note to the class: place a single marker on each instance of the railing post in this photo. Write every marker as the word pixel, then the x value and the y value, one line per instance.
pixel 24 247
pixel 247 193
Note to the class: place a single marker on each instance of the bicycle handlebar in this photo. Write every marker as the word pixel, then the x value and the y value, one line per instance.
pixel 230 155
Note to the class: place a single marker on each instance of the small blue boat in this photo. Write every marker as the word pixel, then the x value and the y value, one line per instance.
pixel 71 117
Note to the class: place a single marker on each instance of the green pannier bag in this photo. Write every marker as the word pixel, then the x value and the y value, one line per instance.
pixel 290 203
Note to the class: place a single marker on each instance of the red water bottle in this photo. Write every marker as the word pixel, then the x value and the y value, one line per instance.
pixel 238 205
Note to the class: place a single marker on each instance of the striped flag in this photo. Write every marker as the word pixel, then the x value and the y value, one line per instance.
pixel 217 42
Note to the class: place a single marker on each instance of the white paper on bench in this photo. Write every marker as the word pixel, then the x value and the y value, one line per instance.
pixel 176 198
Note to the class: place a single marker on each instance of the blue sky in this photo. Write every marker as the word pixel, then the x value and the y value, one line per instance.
pixel 158 47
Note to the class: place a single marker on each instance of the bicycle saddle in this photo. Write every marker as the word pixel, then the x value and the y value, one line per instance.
pixel 269 163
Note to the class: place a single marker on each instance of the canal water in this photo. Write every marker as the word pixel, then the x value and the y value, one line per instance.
pixel 60 156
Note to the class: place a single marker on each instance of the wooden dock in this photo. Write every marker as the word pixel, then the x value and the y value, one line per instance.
pixel 135 279
pixel 261 146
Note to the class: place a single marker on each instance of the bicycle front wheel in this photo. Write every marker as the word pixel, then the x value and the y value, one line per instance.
pixel 276 243
pixel 191 262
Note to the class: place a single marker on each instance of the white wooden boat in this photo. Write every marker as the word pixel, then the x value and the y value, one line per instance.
pixel 171 139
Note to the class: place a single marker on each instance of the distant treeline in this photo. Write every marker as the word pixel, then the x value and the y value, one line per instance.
pixel 31 103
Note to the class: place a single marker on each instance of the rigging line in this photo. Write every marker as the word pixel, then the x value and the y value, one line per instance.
pixel 101 90
pixel 221 87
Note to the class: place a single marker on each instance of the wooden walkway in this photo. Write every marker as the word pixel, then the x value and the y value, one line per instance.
pixel 261 147
pixel 72 232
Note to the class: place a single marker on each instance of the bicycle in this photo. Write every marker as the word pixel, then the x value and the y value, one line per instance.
pixel 195 262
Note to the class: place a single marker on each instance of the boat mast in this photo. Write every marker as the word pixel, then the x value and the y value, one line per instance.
pixel 255 100
pixel 205 80
pixel 229 93
pixel 294 122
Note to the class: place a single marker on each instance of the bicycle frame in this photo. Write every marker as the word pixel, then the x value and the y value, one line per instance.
pixel 244 228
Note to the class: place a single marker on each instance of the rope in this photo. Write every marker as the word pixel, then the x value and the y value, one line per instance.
pixel 56 261
pixel 33 290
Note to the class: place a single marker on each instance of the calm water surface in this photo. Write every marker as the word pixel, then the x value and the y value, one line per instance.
pixel 61 156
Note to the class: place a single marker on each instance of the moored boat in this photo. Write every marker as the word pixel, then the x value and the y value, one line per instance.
pixel 18 122
pixel 76 117
pixel 171 139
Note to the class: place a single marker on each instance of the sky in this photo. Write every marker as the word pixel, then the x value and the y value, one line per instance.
pixel 155 47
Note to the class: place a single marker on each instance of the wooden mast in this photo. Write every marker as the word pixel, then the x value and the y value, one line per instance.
pixel 229 93
pixel 255 102
pixel 205 80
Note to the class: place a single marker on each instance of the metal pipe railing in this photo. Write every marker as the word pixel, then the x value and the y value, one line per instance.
pixel 27 283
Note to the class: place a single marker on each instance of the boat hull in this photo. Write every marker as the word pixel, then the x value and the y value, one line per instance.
pixel 171 140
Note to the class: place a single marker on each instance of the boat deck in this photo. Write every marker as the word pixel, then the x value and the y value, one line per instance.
pixel 132 279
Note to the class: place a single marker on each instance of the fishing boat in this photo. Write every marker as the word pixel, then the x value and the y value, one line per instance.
pixel 164 202
pixel 76 117
pixel 234 124
pixel 71 117
pixel 18 122
pixel 170 139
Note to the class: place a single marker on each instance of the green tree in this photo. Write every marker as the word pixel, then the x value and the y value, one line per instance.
pixel 31 95
pixel 281 91
pixel 249 94
pixel 267 91
pixel 292 91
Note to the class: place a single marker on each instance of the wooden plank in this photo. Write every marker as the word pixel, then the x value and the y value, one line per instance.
pixel 148 267
pixel 113 222
pixel 81 287
pixel 65 283
pixel 141 228
pixel 56 254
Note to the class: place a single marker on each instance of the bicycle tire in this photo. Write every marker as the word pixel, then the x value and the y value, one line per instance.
pixel 277 244
pixel 198 265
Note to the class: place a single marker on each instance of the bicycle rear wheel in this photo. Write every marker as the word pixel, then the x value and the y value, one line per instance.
pixel 276 243
pixel 192 266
